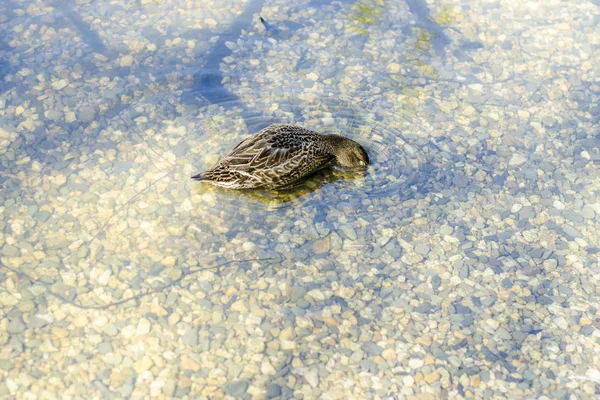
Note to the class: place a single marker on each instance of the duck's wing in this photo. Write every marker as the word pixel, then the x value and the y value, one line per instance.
pixel 275 147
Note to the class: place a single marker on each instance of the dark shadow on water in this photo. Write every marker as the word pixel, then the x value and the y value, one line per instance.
pixel 208 81
pixel 423 17
pixel 89 36
pixel 4 70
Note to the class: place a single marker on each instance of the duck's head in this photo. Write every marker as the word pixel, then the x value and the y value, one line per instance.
pixel 349 154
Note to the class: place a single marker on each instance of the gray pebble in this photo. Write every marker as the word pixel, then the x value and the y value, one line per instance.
pixel 105 347
pixel 121 166
pixel 489 355
pixel 190 337
pixel 488 301
pixel 369 366
pixel 86 114
pixel 111 330
pixel 460 309
pixel 273 390
pixel 236 388
pixel 297 293
pixel 169 387
pixel 529 375
pixel 303 304
pixel 371 348
pixel 464 271
pixel 102 388
pixel 393 248
pixel 455 361
pixel 422 248
pixel 507 283
pixel 56 243
pixel 54 115
pixel 572 216
pixel 544 300
pixel 36 322
pixel 348 231
pixel 16 326
pixel 586 330
pixel 527 212
pixel 505 235
pixel 461 180
pixel 587 213
pixel 126 390
pixel 503 334
pixel 424 308
pixel 10 251
pixel 572 232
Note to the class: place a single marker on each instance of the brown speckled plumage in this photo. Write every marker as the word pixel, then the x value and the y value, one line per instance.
pixel 280 155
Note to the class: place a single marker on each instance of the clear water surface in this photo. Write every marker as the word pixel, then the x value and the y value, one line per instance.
pixel 464 263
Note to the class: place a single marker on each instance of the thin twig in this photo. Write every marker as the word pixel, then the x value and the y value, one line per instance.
pixel 137 296
pixel 127 203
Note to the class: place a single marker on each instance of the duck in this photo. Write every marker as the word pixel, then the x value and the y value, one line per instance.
pixel 280 155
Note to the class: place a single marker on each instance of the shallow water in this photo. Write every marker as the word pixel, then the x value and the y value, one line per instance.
pixel 463 263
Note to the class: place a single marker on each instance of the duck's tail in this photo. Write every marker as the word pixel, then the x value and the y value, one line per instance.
pixel 199 177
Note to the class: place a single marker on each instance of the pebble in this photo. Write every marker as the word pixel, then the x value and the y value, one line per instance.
pixel 60 84
pixel 432 377
pixel 349 232
pixel 59 332
pixel 11 251
pixel 371 348
pixel 571 231
pixel 126 61
pixel 16 325
pixel 393 68
pixel 517 159
pixel 110 329
pixel 422 248
pixel 312 377
pixel 86 114
pixel 143 327
pixel 321 246
pixel 80 321
pixel 455 361
pixel 36 323
pixel 190 337
pixel 415 363
pixel 237 388
pixel 561 322
pixel 312 76
pixel 273 391
pixel 191 365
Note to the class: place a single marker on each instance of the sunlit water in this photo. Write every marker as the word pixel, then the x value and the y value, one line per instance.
pixel 463 262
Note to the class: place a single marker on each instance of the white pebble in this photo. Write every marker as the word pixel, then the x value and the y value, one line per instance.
pixel 126 61
pixel 517 159
pixel 143 327
pixel 312 377
pixel 313 76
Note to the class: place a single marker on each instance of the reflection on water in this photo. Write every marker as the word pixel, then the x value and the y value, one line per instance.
pixel 462 263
